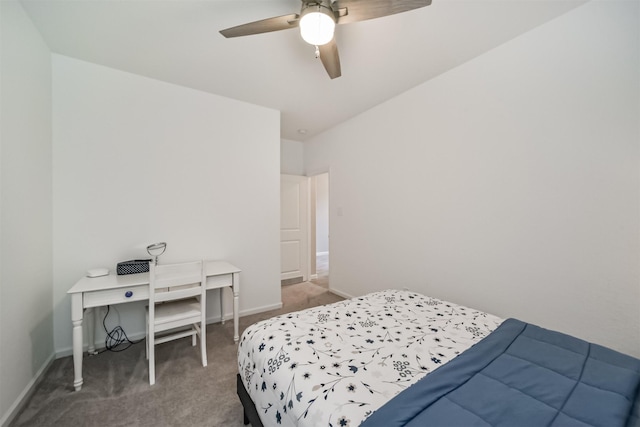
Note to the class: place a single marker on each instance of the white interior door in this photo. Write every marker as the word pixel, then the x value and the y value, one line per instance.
pixel 294 224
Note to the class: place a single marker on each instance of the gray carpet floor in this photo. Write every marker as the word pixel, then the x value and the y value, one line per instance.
pixel 116 389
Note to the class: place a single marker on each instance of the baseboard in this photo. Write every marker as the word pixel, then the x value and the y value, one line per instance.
pixel 229 316
pixel 313 277
pixel 340 293
pixel 26 394
pixel 65 352
pixel 322 253
pixel 99 346
pixel 262 309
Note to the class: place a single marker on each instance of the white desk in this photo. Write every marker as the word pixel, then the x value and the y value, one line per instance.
pixel 113 289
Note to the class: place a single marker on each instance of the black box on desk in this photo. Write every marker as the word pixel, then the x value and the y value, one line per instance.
pixel 133 266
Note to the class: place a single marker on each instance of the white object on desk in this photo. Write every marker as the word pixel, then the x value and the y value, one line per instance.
pixel 97 272
pixel 91 292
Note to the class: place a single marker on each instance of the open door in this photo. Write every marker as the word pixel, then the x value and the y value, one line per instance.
pixel 294 226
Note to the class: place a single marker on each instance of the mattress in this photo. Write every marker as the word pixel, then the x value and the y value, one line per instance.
pixel 336 364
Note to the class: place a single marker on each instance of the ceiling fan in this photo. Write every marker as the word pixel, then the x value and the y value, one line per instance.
pixel 317 20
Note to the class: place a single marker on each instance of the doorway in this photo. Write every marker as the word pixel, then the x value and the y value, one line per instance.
pixel 319 229
pixel 294 229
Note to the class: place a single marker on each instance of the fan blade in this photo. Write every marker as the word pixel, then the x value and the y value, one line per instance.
pixel 330 59
pixel 277 23
pixel 361 10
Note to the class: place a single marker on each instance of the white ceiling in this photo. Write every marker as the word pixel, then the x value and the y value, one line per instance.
pixel 177 41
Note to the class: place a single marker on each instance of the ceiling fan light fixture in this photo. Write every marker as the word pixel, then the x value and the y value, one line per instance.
pixel 317 24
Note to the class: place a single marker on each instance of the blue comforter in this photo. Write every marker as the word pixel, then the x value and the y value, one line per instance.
pixel 522 375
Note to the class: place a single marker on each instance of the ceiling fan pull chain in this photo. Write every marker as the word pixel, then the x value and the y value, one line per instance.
pixel 317 52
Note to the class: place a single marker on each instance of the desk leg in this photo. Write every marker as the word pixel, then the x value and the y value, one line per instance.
pixel 236 305
pixel 76 320
pixel 222 305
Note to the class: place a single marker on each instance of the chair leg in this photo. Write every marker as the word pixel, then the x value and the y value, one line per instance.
pixel 152 360
pixel 146 338
pixel 203 344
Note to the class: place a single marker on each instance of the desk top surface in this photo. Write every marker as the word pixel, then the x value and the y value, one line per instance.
pixel 114 281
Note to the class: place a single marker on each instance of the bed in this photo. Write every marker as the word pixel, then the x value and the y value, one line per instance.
pixel 398 358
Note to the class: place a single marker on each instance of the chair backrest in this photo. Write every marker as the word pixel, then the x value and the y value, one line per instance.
pixel 176 281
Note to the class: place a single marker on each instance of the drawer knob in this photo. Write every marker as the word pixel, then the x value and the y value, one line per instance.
pixel 128 294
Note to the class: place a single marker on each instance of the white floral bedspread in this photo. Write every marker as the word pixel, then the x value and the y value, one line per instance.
pixel 334 365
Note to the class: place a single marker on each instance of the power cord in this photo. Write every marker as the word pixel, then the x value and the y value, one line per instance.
pixel 116 337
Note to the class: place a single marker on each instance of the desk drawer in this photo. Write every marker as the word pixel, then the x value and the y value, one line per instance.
pixel 116 296
pixel 215 282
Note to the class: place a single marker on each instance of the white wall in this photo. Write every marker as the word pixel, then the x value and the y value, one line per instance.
pixel 26 324
pixel 138 161
pixel 510 184
pixel 291 157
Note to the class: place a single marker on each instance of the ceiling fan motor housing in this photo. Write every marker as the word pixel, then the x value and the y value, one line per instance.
pixel 317 22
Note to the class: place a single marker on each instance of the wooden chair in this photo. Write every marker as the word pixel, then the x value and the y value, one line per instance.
pixel 177 298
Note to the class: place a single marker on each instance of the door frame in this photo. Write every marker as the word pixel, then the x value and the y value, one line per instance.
pixel 312 222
